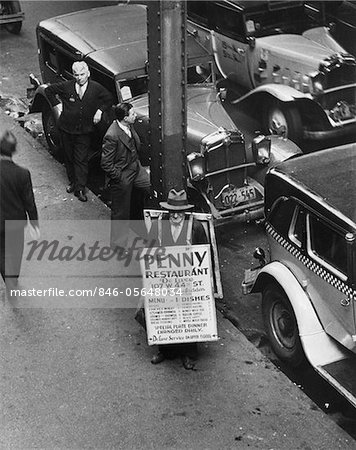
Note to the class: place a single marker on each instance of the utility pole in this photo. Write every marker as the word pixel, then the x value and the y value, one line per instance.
pixel 167 94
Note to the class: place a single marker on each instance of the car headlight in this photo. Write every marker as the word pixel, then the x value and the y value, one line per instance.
pixel 196 166
pixel 305 84
pixel 316 84
pixel 261 149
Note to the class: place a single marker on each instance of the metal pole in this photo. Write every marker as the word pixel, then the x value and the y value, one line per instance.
pixel 167 94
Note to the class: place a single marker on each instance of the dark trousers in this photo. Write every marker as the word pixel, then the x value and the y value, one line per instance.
pixel 11 250
pixel 133 176
pixel 76 151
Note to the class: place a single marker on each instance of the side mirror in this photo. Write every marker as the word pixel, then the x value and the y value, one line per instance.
pixel 261 150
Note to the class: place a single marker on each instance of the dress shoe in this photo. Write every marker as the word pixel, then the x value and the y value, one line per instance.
pixel 81 196
pixel 70 188
pixel 156 359
pixel 188 363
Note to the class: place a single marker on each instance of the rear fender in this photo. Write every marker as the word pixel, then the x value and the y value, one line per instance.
pixel 318 347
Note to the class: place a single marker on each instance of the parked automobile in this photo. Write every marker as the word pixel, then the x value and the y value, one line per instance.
pixel 227 160
pixel 113 42
pixel 309 284
pixel 341 19
pixel 295 76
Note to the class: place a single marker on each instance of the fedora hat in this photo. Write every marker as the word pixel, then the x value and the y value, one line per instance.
pixel 177 201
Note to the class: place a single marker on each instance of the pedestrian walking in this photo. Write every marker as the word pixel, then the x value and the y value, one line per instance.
pixel 120 161
pixel 175 228
pixel 17 205
pixel 81 103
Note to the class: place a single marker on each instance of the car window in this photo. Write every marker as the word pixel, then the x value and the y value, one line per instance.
pixel 198 12
pixel 297 228
pixel 50 55
pixel 293 19
pixel 281 215
pixel 137 86
pixel 327 245
pixel 227 21
pixel 65 63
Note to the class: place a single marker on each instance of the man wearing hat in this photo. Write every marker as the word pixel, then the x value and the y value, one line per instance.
pixel 177 228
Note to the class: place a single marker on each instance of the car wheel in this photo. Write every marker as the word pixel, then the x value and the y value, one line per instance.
pixel 51 132
pixel 283 120
pixel 12 8
pixel 281 325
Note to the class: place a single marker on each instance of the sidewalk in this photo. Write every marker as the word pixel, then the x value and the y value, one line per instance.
pixel 82 378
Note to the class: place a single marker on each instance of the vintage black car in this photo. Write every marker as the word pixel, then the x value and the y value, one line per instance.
pixel 296 77
pixel 226 158
pixel 309 283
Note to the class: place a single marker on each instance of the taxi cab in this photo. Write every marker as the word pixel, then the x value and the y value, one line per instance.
pixel 292 73
pixel 309 284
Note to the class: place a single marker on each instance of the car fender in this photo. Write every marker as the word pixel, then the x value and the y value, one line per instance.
pixel 40 101
pixel 281 92
pixel 312 335
pixel 307 319
pixel 282 149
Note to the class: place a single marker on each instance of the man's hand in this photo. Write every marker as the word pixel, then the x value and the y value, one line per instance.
pixel 97 116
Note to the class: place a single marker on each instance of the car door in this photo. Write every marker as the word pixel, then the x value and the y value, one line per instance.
pixel 230 45
pixel 330 277
pixel 220 28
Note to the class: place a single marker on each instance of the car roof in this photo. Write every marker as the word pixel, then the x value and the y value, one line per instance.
pixel 328 176
pixel 114 37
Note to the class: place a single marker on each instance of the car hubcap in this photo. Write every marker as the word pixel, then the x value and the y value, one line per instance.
pixel 284 326
pixel 277 123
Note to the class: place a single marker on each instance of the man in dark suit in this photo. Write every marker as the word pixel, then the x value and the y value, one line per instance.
pixel 81 105
pixel 120 162
pixel 17 203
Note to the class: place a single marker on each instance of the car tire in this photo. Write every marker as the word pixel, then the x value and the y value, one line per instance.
pixel 51 133
pixel 281 325
pixel 283 120
pixel 12 8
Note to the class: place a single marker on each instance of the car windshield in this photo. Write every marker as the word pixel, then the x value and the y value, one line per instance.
pixel 137 86
pixel 293 19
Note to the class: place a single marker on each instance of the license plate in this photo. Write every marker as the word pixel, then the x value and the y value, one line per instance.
pixel 238 195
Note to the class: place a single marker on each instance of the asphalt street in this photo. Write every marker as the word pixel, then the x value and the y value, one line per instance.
pixel 79 375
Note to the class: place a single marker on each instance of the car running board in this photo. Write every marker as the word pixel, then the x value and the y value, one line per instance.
pixel 341 375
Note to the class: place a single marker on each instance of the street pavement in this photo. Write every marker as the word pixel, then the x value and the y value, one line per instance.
pixel 80 377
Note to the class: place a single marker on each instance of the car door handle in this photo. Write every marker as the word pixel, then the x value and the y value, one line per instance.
pixel 345 302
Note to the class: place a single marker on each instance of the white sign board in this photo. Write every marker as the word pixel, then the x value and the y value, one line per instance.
pixel 178 295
